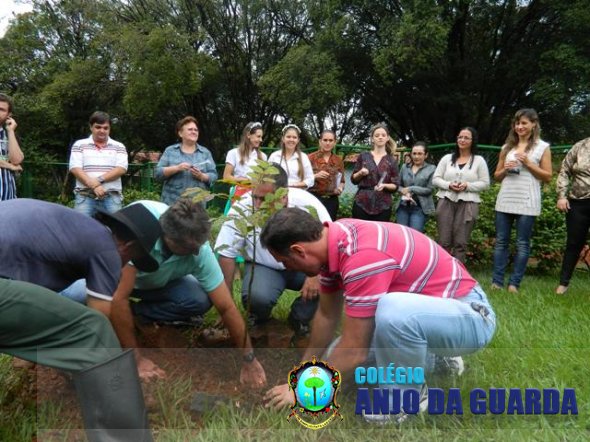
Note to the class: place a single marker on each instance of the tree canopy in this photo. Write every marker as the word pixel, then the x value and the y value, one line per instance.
pixel 424 67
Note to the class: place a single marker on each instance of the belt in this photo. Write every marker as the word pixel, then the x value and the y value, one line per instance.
pixel 325 196
pixel 91 194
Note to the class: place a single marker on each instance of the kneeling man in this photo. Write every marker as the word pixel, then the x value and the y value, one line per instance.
pixel 403 295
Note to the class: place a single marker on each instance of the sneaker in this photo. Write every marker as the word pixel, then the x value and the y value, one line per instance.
pixel 402 416
pixel 561 289
pixel 449 365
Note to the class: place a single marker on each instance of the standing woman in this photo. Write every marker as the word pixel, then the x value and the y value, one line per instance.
pixel 328 169
pixel 416 202
pixel 524 162
pixel 185 164
pixel 575 176
pixel 240 160
pixel 292 159
pixel 376 174
pixel 460 176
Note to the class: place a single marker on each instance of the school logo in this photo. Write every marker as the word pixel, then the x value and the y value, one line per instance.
pixel 315 385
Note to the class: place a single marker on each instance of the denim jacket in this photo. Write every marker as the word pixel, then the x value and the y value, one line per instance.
pixel 176 184
pixel 420 185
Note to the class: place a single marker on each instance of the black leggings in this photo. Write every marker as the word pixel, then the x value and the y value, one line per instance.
pixel 577 221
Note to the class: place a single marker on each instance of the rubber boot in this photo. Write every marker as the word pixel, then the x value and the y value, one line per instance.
pixel 111 401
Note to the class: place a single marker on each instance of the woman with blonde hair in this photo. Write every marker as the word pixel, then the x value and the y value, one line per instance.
pixel 292 159
pixel 524 162
pixel 376 173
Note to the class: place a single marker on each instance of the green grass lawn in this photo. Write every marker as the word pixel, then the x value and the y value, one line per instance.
pixel 541 342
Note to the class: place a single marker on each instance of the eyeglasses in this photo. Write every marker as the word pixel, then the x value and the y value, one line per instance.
pixel 464 138
pixel 291 126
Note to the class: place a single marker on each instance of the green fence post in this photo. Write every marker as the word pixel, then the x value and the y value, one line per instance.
pixel 27 185
pixel 147 175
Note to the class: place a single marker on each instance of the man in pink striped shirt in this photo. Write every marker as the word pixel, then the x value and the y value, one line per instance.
pixel 404 296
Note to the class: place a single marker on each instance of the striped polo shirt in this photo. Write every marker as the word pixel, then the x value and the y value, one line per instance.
pixel 97 161
pixel 370 259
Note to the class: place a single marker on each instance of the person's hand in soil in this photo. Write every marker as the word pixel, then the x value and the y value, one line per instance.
pixel 252 374
pixel 148 370
pixel 311 288
pixel 278 397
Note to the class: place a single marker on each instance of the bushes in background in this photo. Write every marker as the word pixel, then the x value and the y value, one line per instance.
pixel 548 239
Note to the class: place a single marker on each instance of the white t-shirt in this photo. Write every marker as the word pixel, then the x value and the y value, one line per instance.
pixel 237 245
pixel 242 170
pixel 291 166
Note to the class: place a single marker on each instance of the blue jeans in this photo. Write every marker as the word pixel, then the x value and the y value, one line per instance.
pixel 76 291
pixel 524 231
pixel 409 327
pixel 267 287
pixel 88 205
pixel 411 216
pixel 182 299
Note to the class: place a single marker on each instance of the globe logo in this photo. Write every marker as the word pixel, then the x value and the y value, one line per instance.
pixel 314 385
pixel 314 388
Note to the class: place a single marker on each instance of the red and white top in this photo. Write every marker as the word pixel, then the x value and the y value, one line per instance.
pixel 369 259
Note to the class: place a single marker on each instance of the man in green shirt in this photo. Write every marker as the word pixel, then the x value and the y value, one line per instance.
pixel 187 283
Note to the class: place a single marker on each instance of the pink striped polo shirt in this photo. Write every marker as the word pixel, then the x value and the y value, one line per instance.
pixel 369 259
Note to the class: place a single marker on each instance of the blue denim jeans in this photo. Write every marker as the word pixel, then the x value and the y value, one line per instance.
pixel 76 291
pixel 411 216
pixel 524 230
pixel 88 205
pixel 267 286
pixel 182 299
pixel 409 327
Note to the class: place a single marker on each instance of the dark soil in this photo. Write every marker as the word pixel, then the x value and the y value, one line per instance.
pixel 206 356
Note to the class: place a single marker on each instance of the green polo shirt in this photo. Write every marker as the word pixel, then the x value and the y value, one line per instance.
pixel 204 266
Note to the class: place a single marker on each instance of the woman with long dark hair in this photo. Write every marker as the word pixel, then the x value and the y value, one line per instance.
pixel 416 203
pixel 460 177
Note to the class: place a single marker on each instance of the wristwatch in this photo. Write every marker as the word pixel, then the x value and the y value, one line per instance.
pixel 101 180
pixel 248 357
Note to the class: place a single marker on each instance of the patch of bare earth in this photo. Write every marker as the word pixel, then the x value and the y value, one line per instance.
pixel 207 357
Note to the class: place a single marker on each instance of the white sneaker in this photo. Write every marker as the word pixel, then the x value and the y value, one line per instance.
pixel 402 416
pixel 449 365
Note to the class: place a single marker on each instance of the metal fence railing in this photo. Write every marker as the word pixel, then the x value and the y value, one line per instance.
pixel 51 180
